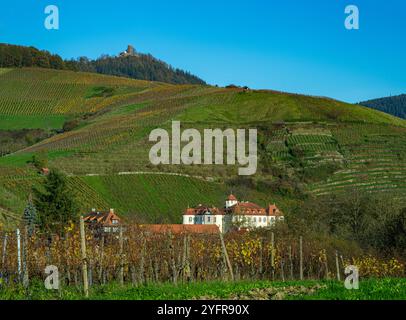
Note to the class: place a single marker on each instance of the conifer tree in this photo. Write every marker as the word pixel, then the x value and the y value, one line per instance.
pixel 30 216
pixel 55 204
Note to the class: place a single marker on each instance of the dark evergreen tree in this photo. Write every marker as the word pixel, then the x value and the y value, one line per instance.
pixel 395 105
pixel 55 203
pixel 30 216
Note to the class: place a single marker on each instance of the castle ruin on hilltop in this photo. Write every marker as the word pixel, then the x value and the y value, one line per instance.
pixel 129 52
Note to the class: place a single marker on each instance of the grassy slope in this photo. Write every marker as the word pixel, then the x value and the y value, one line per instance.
pixel 114 138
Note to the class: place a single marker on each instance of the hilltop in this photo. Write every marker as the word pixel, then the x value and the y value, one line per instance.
pixel 95 128
pixel 394 105
pixel 127 64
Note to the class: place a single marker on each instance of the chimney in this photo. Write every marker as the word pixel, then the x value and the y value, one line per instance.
pixel 93 209
pixel 111 210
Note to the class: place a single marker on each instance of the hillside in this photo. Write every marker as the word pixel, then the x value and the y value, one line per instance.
pixel 395 105
pixel 98 129
pixel 136 66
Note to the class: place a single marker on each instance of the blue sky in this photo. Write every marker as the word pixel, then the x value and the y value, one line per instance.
pixel 291 45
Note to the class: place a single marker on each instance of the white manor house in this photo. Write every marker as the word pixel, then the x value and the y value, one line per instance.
pixel 238 214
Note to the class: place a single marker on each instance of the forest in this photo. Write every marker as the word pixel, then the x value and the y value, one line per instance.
pixel 140 66
pixel 395 105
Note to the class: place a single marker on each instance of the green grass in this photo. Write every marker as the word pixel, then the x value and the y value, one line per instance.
pixel 370 289
pixel 16 122
pixel 21 159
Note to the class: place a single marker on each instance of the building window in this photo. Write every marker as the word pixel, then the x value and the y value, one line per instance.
pixel 208 219
pixel 115 221
pixel 264 219
pixel 215 219
pixel 190 219
pixel 254 219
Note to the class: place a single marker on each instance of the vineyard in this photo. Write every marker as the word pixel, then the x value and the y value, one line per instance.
pixel 375 160
pixel 136 256
pixel 318 145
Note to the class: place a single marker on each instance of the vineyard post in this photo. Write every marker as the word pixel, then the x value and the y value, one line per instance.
pixel 101 259
pixel 337 267
pixel 121 273
pixel 142 262
pixel 25 259
pixel 172 257
pixel 273 255
pixel 261 258
pixel 84 257
pixel 66 245
pixel 188 262
pixel 224 249
pixel 290 262
pixel 326 266
pixel 282 271
pixel 3 258
pixel 19 253
pixel 301 257
pixel 342 261
pixel 183 266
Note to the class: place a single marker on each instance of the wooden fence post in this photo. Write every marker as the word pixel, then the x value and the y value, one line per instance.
pixel 290 262
pixel 25 259
pixel 326 266
pixel 121 272
pixel 229 266
pixel 301 257
pixel 273 255
pixel 172 258
pixel 84 257
pixel 101 260
pixel 261 267
pixel 338 267
pixel 142 262
pixel 3 257
pixel 282 270
pixel 19 253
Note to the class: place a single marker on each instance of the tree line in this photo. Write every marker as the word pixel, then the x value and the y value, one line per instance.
pixel 395 105
pixel 140 66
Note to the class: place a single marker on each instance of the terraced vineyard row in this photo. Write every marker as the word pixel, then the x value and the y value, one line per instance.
pixel 375 157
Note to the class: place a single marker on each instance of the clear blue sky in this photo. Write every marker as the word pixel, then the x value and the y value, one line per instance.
pixel 291 45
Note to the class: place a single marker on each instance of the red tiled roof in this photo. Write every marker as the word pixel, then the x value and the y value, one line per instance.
pixel 101 218
pixel 231 197
pixel 250 208
pixel 249 205
pixel 201 209
pixel 273 210
pixel 181 228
